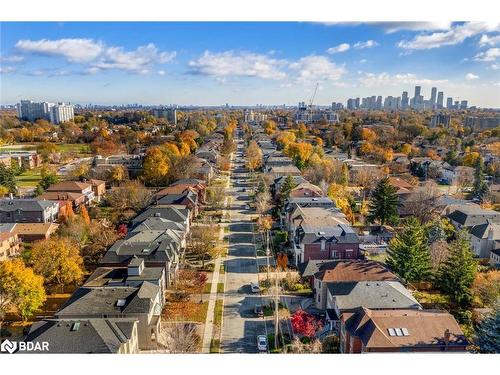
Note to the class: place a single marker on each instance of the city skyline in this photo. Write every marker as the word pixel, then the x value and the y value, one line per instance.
pixel 247 63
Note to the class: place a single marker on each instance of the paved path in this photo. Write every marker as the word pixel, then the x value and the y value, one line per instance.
pixel 240 326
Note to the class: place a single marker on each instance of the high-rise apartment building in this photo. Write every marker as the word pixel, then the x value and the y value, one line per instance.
pixel 449 103
pixel 404 100
pixel 463 104
pixel 31 111
pixel 167 113
pixel 61 112
pixel 433 97
pixel 440 99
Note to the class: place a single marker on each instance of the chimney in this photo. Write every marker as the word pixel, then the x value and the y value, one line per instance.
pixel 490 233
pixel 11 196
pixel 447 337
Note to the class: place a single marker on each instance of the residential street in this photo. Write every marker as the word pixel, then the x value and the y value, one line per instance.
pixel 240 326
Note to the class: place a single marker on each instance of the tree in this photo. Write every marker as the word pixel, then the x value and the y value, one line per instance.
pixel 298 347
pixel 216 195
pixel 20 289
pixel 183 166
pixel 3 191
pixel 285 190
pixel 487 332
pixel 304 323
pixel 384 204
pixel 254 156
pixel 58 260
pixel 179 337
pixel 155 167
pixel 486 287
pixel 203 242
pixel 480 187
pixel 423 201
pixel 130 196
pixel 49 177
pixel 408 253
pixel 118 174
pixel 457 273
pixel 101 236
pixel 263 202
pixel 85 215
pixel 343 200
pixel 7 178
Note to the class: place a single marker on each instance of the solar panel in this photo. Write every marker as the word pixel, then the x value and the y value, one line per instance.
pixel 405 332
pixel 391 331
pixel 399 332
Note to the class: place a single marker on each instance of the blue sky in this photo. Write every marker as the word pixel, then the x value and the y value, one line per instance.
pixel 246 63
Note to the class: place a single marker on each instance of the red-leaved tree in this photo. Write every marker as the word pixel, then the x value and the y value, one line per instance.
pixel 305 324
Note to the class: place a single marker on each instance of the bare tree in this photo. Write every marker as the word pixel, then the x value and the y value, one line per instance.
pixel 439 252
pixel 298 347
pixel 204 242
pixel 423 201
pixel 179 338
pixel 263 202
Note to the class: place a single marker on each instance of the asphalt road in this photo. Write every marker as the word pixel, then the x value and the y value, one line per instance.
pixel 240 326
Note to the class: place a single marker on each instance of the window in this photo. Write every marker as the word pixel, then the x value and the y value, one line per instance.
pixel 322 245
pixel 348 253
pixel 335 254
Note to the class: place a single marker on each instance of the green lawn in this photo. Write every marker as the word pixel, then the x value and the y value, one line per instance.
pixel 218 312
pixel 378 258
pixel 208 287
pixel 73 147
pixel 29 178
pixel 215 346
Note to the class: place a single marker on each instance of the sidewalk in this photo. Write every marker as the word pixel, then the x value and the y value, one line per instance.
pixel 209 322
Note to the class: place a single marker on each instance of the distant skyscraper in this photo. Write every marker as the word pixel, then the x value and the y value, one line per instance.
pixel 31 111
pixel 449 103
pixel 418 98
pixel 61 112
pixel 433 96
pixel 404 100
pixel 463 104
pixel 357 103
pixel 440 99
pixel 379 102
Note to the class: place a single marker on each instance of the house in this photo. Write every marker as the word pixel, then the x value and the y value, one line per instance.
pixel 156 248
pixel 376 295
pixel 278 182
pixel 99 189
pixel 28 211
pixel 134 275
pixel 370 331
pixel 179 215
pixel 204 170
pixel 401 186
pixel 131 162
pixel 324 238
pixel 292 203
pixel 82 336
pixel 495 256
pixel 484 237
pixel 180 186
pixel 143 303
pixel 23 159
pixel 344 271
pixel 188 199
pixel 306 189
pixel 469 215
pixel 9 245
pixel 283 170
pixel 31 232
pixel 301 214
pixel 84 188
pixel 76 199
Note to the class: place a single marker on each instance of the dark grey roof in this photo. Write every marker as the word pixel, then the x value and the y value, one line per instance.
pixel 177 198
pixel 188 181
pixel 119 276
pixel 83 335
pixel 158 223
pixel 470 215
pixel 179 215
pixel 483 230
pixel 309 268
pixel 372 295
pixel 99 301
pixel 25 204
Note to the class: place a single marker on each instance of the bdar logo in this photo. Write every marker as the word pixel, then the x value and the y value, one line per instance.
pixel 8 346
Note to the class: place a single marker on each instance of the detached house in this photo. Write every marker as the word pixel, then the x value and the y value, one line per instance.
pixel 83 188
pixel 143 304
pixel 28 211
pixel 382 331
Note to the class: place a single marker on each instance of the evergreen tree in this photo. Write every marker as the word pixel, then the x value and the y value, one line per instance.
pixel 408 253
pixel 488 332
pixel 285 190
pixel 480 188
pixel 384 204
pixel 457 273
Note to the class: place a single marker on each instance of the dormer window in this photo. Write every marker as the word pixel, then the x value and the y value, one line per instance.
pixel 120 303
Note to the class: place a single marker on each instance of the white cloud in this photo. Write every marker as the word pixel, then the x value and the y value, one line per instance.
pixel 495 66
pixel 139 61
pixel 73 49
pixel 98 55
pixel 456 35
pixel 7 69
pixel 471 76
pixel 161 72
pixel 489 55
pixel 386 79
pixel 316 68
pixel 362 61
pixel 368 44
pixel 392 27
pixel 489 40
pixel 12 58
pixel 340 48
pixel 242 64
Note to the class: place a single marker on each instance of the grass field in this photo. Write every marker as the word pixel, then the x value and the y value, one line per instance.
pixel 77 148
pixel 218 312
pixel 29 178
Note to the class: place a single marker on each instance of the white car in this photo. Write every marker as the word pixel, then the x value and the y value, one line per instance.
pixel 247 207
pixel 254 287
pixel 262 343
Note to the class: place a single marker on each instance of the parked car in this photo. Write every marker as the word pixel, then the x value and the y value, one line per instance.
pixel 254 287
pixel 258 310
pixel 262 343
pixel 247 207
